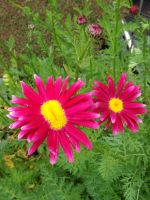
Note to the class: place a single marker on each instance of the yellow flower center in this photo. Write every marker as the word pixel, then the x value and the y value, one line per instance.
pixel 53 112
pixel 116 105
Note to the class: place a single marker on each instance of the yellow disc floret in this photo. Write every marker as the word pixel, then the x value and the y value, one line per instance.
pixel 116 105
pixel 53 112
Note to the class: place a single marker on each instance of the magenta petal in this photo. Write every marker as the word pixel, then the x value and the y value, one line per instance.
pixel 40 133
pixel 119 124
pixel 107 124
pixel 102 86
pixel 84 116
pixel 64 87
pixel 19 101
pixel 22 134
pixel 58 86
pixel 34 147
pixel 134 105
pixel 77 99
pixel 74 143
pixel 11 116
pixel 66 146
pixel 138 111
pixel 52 142
pixel 132 116
pixel 50 88
pixel 40 86
pixel 113 117
pixel 53 158
pixel 132 125
pixel 121 83
pixel 34 124
pixel 88 124
pixel 16 124
pixel 111 86
pixel 100 95
pixel 78 135
pixel 104 115
pixel 29 92
pixel 78 108
pixel 114 129
pixel 71 91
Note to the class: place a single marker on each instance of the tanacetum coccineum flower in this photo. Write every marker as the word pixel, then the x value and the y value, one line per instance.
pixel 53 113
pixel 117 104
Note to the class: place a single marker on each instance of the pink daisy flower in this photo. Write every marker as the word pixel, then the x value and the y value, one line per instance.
pixel 117 104
pixel 53 113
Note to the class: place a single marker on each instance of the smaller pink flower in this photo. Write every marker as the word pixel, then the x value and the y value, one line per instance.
pixel 95 30
pixel 117 105
pixel 81 20
pixel 134 10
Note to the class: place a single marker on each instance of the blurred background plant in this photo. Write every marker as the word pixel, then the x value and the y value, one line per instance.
pixel 55 44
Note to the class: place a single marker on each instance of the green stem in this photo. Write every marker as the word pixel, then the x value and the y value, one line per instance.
pixel 4 100
pixel 117 14
pixel 145 63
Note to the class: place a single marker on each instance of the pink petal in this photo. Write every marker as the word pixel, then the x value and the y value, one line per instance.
pixel 34 147
pixel 102 86
pixel 58 86
pixel 52 142
pixel 64 87
pixel 79 98
pixel 53 158
pixel 66 146
pixel 50 88
pixel 78 135
pixel 138 110
pixel 88 124
pixel 100 95
pixel 121 83
pixel 11 109
pixel 111 87
pixel 71 91
pixel 22 134
pixel 29 93
pixel 40 86
pixel 132 125
pixel 33 124
pixel 107 124
pixel 83 116
pixel 131 93
pixel 104 115
pixel 20 101
pixel 16 124
pixel 133 105
pixel 113 117
pixel 40 133
pixel 132 116
pixel 119 124
pixel 78 108
pixel 11 116
pixel 114 129
pixel 74 143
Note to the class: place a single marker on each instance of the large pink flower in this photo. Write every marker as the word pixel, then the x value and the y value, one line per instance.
pixel 117 106
pixel 54 112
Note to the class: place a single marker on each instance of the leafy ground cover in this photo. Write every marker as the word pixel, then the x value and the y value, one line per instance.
pixel 44 38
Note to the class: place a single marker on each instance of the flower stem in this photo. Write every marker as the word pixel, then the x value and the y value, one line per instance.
pixel 117 14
